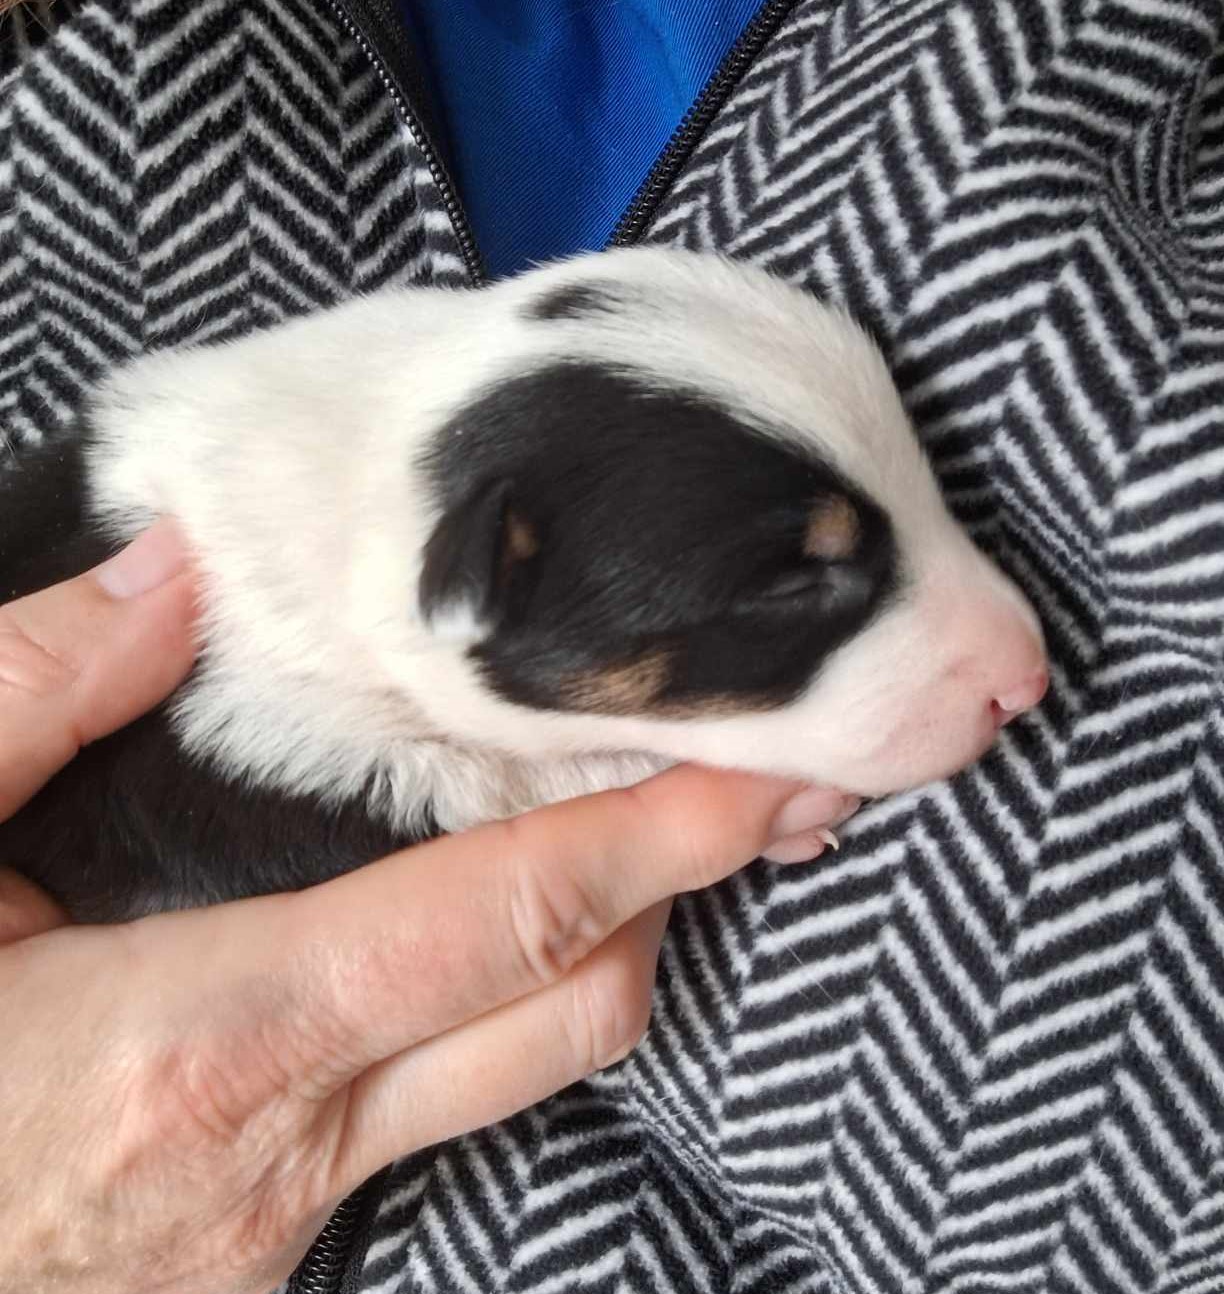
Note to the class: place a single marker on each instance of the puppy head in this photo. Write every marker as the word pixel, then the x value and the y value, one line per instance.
pixel 695 520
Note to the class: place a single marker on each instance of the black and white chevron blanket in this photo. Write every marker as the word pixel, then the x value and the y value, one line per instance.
pixel 982 1048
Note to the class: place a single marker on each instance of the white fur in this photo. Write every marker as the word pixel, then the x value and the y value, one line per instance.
pixel 290 460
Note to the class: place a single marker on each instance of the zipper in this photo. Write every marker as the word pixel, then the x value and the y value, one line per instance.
pixel 645 202
pixel 322 1270
pixel 394 62
pixel 696 121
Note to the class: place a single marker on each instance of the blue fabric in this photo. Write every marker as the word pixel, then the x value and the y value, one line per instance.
pixel 554 110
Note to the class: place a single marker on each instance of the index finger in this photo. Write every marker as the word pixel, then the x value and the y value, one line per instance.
pixel 371 963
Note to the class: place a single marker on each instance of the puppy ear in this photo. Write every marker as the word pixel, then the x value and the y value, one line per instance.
pixel 473 560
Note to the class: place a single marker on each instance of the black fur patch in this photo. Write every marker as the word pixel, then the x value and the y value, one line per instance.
pixel 133 826
pixel 574 301
pixel 671 569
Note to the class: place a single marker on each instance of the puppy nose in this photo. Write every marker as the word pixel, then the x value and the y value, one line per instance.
pixel 1021 696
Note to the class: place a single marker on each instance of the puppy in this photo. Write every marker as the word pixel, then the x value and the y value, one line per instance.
pixel 465 553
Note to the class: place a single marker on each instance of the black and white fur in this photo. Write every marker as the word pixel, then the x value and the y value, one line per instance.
pixel 464 553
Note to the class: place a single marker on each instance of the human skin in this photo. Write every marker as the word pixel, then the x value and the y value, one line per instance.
pixel 186 1097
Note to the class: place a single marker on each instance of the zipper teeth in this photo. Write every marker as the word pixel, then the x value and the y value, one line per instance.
pixel 420 137
pixel 324 1265
pixel 711 99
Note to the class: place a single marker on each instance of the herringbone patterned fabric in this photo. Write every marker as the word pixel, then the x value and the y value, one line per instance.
pixel 983 1047
pixel 189 170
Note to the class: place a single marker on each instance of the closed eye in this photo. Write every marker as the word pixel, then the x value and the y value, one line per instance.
pixel 797 583
pixel 822 587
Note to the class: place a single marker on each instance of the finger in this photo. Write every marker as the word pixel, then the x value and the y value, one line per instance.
pixel 25 910
pixel 82 658
pixel 502 1062
pixel 373 962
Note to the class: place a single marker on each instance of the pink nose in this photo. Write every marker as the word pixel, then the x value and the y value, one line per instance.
pixel 1026 693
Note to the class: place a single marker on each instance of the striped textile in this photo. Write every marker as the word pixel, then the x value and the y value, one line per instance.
pixel 983 1047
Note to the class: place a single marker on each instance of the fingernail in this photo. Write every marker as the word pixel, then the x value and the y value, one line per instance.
pixel 850 806
pixel 798 849
pixel 149 560
pixel 815 806
pixel 801 829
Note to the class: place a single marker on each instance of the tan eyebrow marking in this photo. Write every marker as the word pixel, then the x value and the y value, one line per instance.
pixel 833 529
pixel 522 538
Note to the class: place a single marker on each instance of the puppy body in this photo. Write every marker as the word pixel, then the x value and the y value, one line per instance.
pixel 466 553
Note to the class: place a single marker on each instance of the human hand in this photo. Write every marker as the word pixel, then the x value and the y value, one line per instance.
pixel 186 1097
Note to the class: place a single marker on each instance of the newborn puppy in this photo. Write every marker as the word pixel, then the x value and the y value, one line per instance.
pixel 464 553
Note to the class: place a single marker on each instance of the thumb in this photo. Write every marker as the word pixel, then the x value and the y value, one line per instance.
pixel 25 910
pixel 84 657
